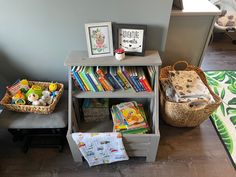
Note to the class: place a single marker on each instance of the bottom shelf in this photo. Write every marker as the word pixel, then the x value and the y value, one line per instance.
pixel 100 126
pixel 136 145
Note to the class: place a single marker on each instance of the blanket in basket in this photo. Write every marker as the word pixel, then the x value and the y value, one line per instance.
pixel 223 83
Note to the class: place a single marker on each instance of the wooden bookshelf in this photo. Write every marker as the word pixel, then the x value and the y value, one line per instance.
pixel 136 144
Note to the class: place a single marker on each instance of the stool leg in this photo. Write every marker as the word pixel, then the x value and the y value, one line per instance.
pixel 26 143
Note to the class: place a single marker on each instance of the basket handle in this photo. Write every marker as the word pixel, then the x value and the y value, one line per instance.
pixel 198 105
pixel 183 62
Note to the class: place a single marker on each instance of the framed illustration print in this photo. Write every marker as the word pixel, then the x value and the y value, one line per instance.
pixel 131 38
pixel 99 39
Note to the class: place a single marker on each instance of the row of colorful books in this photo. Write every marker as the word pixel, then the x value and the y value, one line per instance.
pixel 129 118
pixel 101 78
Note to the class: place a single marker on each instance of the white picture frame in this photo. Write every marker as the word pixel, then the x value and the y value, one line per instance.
pixel 99 39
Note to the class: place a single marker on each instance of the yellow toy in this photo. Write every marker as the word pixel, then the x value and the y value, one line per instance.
pixel 52 87
pixel 24 84
pixel 36 89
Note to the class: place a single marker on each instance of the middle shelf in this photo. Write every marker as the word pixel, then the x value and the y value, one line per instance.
pixel 117 94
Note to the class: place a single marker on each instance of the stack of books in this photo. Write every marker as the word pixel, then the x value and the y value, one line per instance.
pixel 129 118
pixel 100 78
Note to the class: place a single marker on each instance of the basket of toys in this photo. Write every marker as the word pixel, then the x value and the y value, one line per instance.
pixel 32 96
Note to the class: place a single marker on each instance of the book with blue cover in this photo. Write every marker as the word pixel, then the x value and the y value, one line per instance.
pixel 128 76
pixel 77 78
pixel 113 82
pixel 95 79
pixel 134 72
pixel 111 72
pixel 114 73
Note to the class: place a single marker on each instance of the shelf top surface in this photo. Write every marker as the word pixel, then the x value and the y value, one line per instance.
pixel 80 58
pixel 196 7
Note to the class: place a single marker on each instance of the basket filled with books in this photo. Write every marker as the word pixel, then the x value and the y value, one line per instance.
pixel 32 96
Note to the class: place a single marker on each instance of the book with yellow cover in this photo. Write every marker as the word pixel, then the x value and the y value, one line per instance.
pixel 130 113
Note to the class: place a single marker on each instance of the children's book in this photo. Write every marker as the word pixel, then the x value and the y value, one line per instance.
pixel 113 82
pixel 77 78
pixel 128 76
pixel 94 78
pixel 135 74
pixel 121 124
pixel 79 71
pixel 130 112
pixel 113 71
pixel 144 81
pixel 101 77
pixel 123 78
pixel 113 75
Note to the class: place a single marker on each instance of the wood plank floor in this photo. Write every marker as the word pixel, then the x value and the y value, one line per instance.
pixel 183 152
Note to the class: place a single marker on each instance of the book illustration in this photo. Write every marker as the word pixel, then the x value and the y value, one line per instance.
pixel 122 115
pixel 130 113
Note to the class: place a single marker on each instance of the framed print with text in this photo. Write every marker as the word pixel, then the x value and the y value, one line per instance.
pixel 131 38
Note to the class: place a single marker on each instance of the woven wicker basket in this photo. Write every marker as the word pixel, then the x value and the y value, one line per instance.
pixel 6 101
pixel 183 114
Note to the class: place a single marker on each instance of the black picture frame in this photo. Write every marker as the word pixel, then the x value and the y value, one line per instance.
pixel 130 37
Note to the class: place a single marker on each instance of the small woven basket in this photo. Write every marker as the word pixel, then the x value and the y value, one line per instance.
pixel 6 101
pixel 184 114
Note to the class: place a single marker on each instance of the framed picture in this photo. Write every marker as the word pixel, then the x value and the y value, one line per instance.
pixel 99 39
pixel 131 38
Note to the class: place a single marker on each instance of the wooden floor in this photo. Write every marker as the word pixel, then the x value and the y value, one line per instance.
pixel 183 152
pixel 221 54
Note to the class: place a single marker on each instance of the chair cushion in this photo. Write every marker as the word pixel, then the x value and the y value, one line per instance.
pixel 18 120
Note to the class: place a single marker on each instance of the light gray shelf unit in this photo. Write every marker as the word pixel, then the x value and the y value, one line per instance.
pixel 137 145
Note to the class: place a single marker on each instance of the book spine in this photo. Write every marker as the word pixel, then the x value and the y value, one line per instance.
pixel 122 77
pixel 144 85
pixel 139 84
pixel 120 81
pixel 135 70
pixel 79 81
pixel 83 80
pixel 86 81
pixel 104 84
pixel 95 80
pixel 92 83
pixel 147 84
pixel 112 81
pixel 130 80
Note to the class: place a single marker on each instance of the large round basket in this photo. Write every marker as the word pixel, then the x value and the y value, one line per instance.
pixel 6 101
pixel 183 114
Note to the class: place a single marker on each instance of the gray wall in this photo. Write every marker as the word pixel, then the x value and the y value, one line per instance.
pixel 37 35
